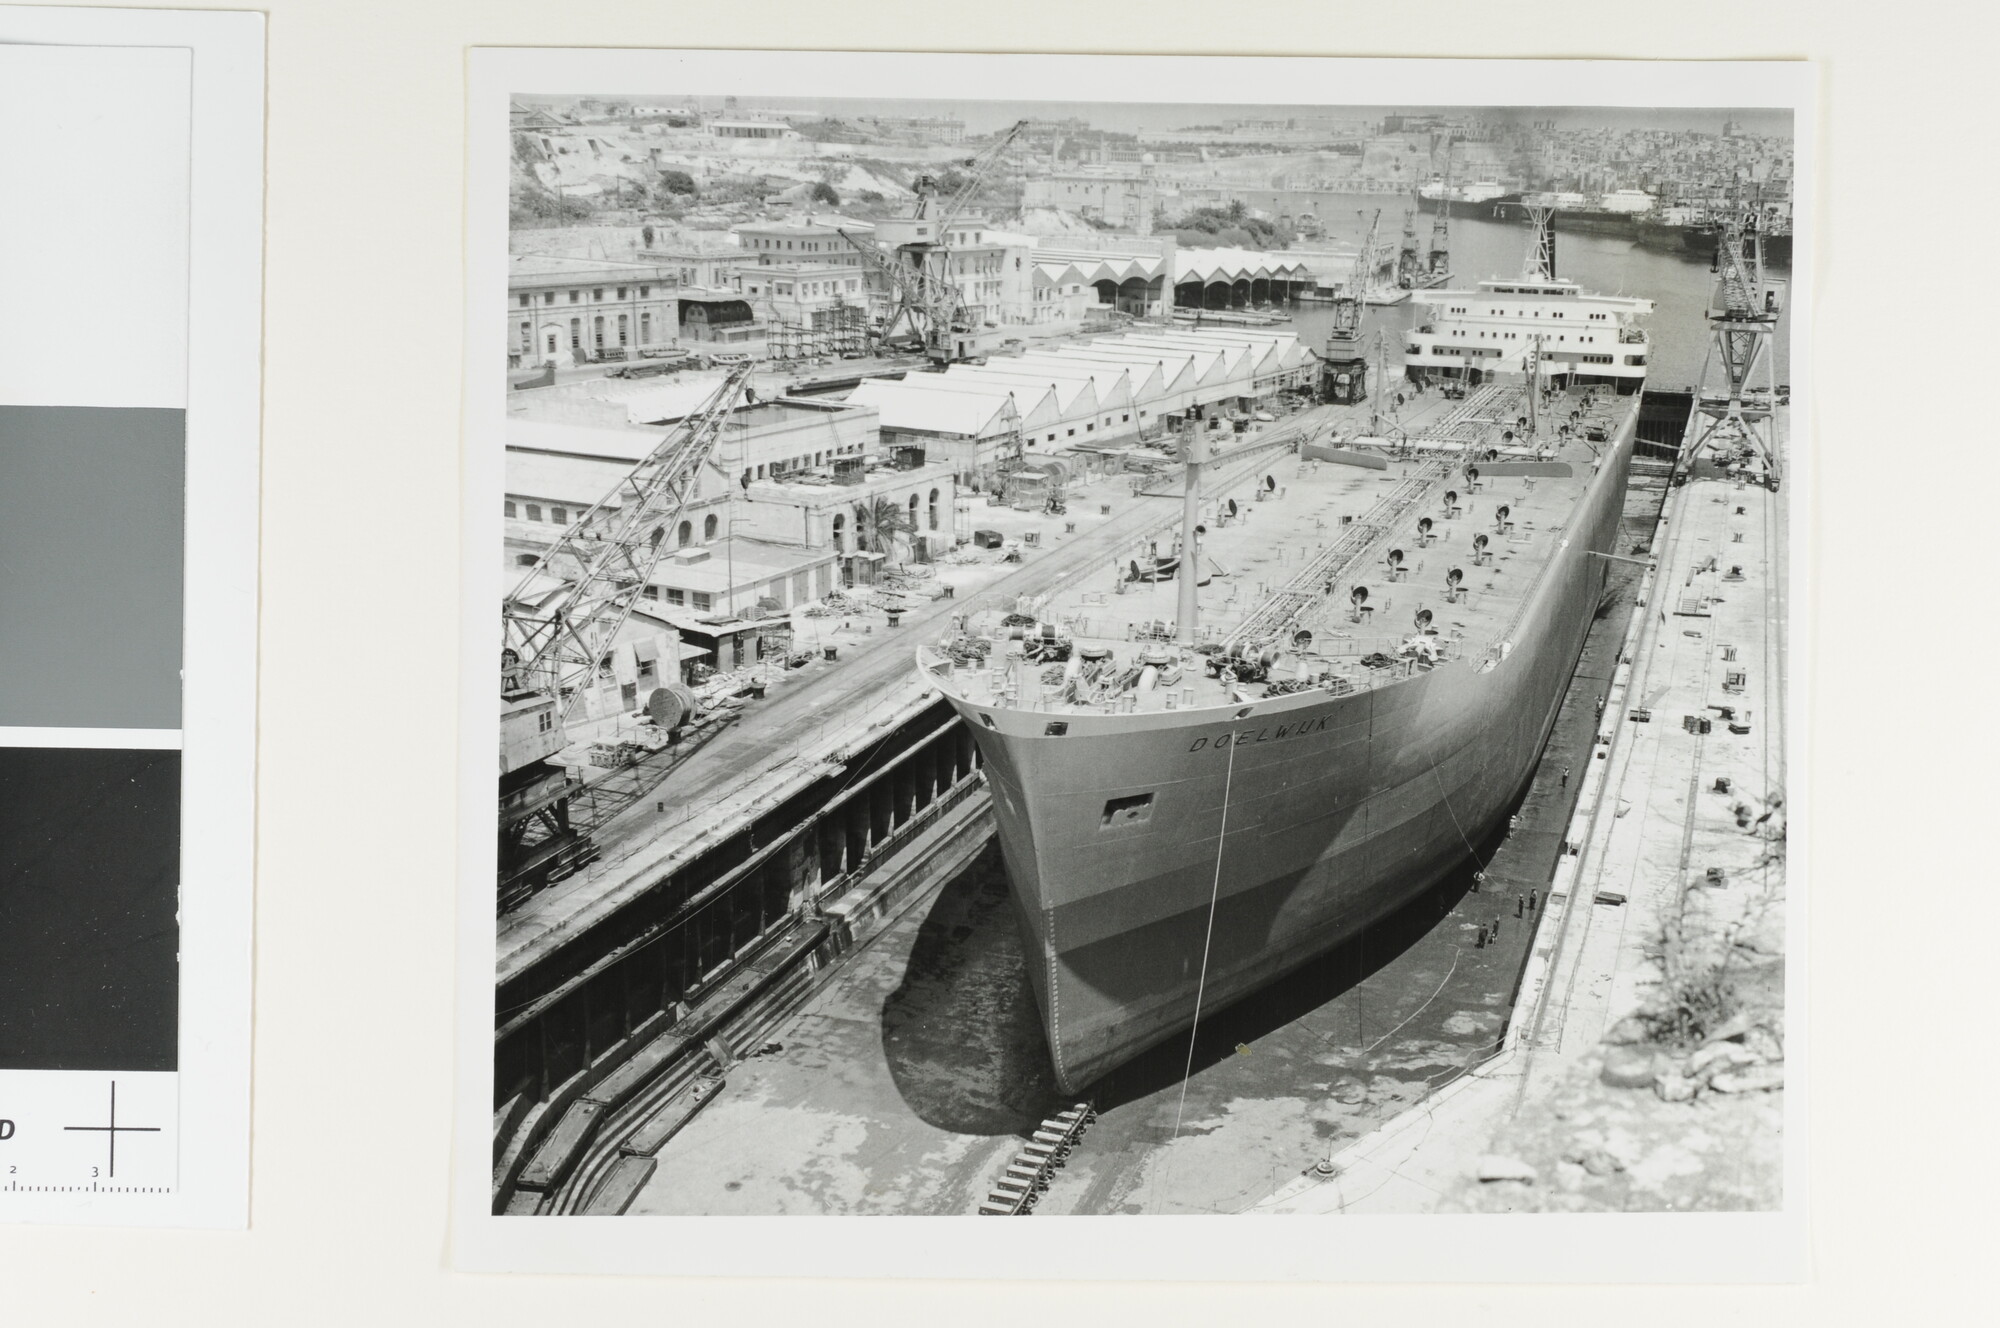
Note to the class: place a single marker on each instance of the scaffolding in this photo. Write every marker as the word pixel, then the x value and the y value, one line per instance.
pixel 838 329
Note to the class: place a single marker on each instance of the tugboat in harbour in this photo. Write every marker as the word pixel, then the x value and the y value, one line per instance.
pixel 1197 792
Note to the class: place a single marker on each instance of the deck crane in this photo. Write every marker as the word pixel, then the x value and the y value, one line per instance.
pixel 1343 375
pixel 1738 388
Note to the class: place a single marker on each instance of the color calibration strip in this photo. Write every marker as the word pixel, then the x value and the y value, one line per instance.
pixel 125 488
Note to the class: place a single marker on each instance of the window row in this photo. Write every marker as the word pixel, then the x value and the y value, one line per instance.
pixel 600 329
pixel 527 300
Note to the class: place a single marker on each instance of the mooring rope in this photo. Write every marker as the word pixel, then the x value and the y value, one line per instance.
pixel 1444 796
pixel 1214 894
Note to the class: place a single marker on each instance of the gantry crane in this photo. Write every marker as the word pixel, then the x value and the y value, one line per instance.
pixel 1738 387
pixel 1343 375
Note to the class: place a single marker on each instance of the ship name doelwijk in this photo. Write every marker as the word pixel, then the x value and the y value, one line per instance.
pixel 1241 736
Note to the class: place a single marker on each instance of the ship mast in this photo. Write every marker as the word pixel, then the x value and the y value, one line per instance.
pixel 1535 390
pixel 1541 259
pixel 1190 602
pixel 1381 385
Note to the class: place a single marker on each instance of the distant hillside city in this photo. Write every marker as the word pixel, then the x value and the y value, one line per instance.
pixel 759 220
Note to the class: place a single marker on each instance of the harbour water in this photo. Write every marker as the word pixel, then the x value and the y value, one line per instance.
pixel 1680 287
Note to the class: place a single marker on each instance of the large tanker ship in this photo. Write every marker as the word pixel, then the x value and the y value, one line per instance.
pixel 1203 783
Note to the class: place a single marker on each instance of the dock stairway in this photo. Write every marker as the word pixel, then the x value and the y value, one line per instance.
pixel 1027 1175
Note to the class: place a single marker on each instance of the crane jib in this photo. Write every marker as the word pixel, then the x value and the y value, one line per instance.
pixel 561 635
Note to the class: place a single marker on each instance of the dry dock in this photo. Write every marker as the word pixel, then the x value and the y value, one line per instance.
pixel 722 877
pixel 888 1058
pixel 908 1080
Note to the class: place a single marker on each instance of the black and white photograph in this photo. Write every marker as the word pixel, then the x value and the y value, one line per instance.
pixel 1139 656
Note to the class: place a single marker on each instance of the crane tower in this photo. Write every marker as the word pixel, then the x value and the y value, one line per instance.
pixel 1343 374
pixel 1738 387
pixel 558 628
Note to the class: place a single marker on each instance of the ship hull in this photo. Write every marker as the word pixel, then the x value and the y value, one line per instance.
pixel 1167 862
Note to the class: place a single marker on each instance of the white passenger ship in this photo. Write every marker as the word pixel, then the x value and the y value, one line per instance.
pixel 1570 337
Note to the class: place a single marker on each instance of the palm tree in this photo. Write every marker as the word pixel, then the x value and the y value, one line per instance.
pixel 880 522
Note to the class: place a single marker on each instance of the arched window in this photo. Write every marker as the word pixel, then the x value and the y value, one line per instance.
pixel 708 528
pixel 913 512
pixel 839 532
pixel 934 509
pixel 685 536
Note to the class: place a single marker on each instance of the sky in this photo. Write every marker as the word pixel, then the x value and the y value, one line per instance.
pixel 983 116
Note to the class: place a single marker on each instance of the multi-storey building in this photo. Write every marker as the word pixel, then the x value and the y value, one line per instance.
pixel 568 311
pixel 793 293
pixel 709 265
pixel 809 240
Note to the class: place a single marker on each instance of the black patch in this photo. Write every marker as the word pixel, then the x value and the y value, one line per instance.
pixel 89 898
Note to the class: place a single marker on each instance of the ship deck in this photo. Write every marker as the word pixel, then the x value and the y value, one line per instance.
pixel 1283 568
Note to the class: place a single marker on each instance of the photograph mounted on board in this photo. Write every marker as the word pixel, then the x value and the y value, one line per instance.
pixel 1102 657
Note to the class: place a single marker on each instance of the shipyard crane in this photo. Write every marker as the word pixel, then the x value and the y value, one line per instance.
pixel 1343 375
pixel 1439 258
pixel 976 168
pixel 1365 266
pixel 1407 265
pixel 560 622
pixel 919 302
pixel 928 252
pixel 1738 388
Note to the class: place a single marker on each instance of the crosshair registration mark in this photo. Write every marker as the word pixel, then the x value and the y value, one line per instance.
pixel 111 1130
